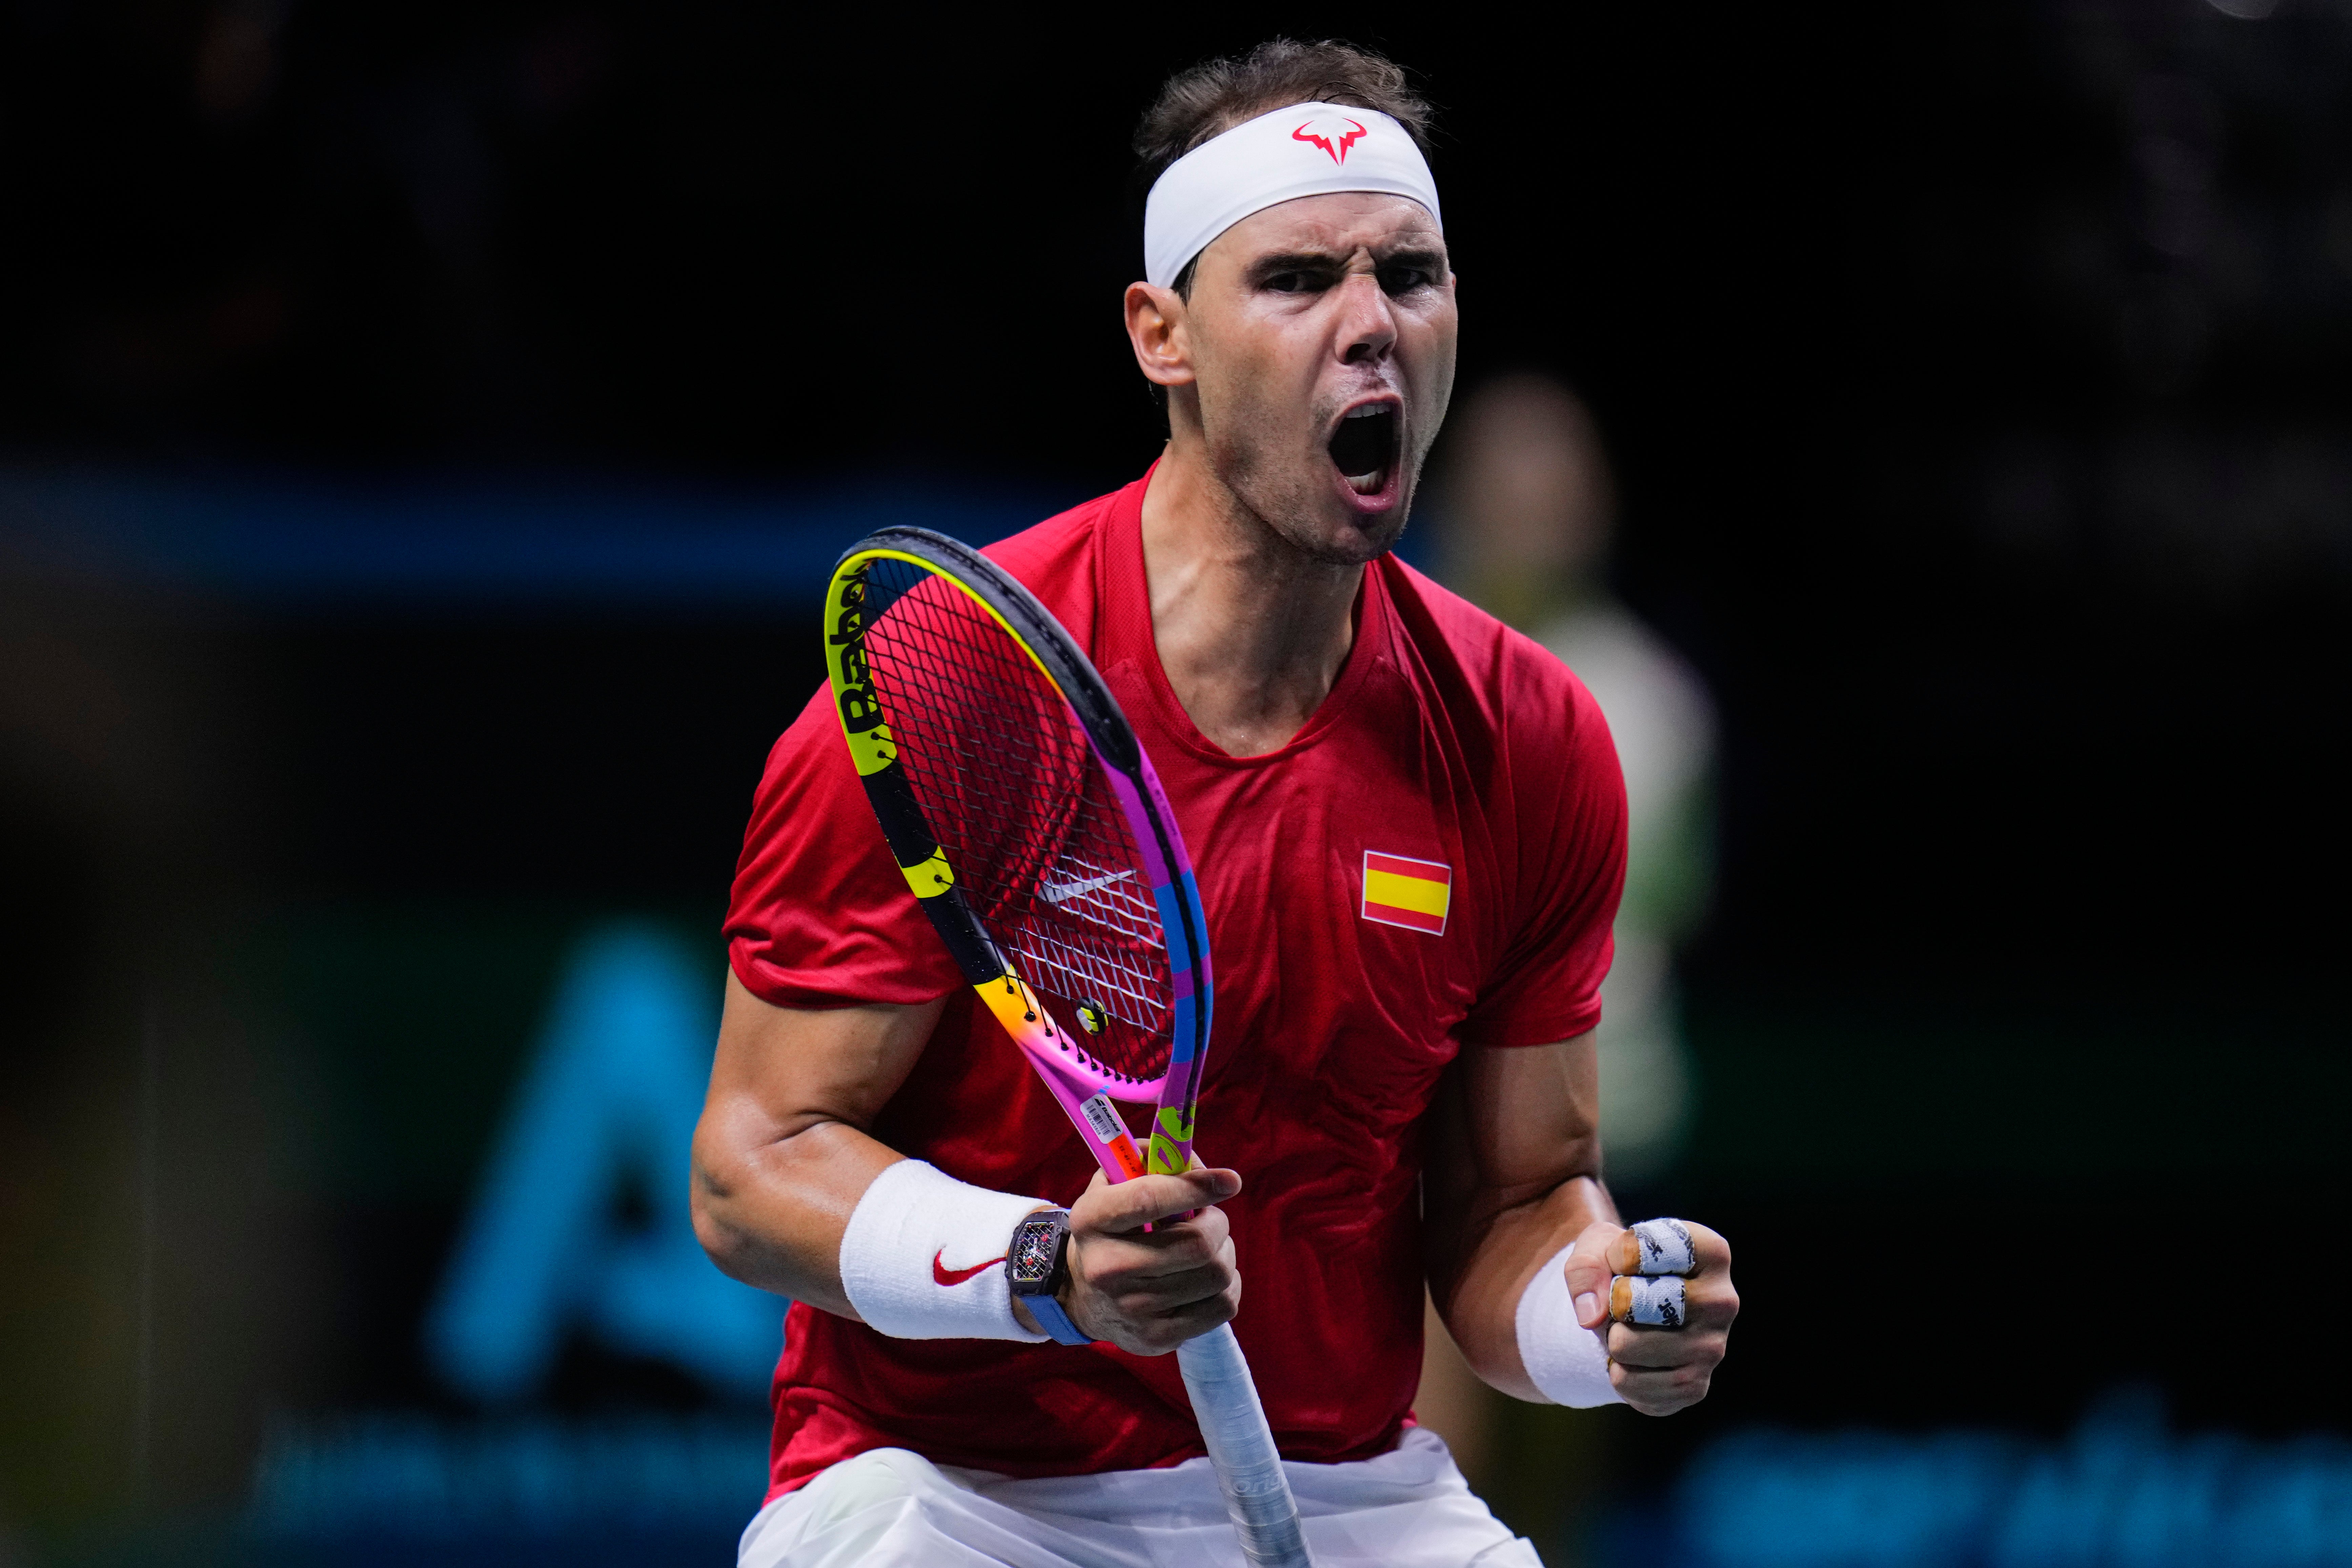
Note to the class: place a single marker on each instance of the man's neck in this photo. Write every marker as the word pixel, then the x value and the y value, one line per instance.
pixel 1251 633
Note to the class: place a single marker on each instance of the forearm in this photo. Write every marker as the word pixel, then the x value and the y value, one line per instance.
pixel 787 1179
pixel 772 1211
pixel 1513 1176
pixel 1499 1240
pixel 781 1156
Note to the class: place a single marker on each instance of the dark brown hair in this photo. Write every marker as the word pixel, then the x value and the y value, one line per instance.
pixel 1212 98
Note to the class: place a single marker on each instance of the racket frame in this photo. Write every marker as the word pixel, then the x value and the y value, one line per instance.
pixel 1081 1086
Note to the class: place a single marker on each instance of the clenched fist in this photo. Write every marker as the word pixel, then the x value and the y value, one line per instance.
pixel 1662 1291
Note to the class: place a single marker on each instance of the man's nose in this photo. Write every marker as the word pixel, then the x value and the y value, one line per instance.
pixel 1366 321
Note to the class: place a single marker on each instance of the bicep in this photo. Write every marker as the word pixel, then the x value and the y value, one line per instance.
pixel 794 1067
pixel 1513 1123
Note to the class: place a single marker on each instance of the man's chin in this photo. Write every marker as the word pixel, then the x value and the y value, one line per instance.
pixel 1322 517
pixel 1344 538
pixel 1369 516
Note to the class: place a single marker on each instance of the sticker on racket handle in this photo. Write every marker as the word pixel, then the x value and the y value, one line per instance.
pixel 1111 1133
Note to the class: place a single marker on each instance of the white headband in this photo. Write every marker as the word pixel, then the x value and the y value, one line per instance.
pixel 1306 150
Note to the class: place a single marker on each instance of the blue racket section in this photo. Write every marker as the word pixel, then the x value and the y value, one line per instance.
pixel 1191 986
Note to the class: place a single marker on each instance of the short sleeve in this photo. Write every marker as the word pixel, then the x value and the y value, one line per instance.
pixel 820 916
pixel 1567 811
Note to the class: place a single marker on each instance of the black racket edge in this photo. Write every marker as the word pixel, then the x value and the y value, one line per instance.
pixel 1067 663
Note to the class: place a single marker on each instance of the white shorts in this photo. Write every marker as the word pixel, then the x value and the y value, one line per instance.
pixel 892 1509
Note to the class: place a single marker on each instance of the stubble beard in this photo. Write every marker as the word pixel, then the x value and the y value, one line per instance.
pixel 1286 498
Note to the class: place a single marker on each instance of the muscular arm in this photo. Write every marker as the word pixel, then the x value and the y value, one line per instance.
pixel 782 1152
pixel 1514 1175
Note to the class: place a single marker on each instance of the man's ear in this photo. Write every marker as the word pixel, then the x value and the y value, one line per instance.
pixel 1157 331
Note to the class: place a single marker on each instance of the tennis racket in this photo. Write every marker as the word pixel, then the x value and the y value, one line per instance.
pixel 1018 802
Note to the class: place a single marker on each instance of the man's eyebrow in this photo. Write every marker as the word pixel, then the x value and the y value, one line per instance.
pixel 1423 257
pixel 1426 258
pixel 1266 267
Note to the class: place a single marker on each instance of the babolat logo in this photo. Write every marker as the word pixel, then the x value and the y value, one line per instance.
pixel 859 710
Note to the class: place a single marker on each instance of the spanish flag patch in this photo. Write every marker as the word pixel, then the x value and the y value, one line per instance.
pixel 1401 891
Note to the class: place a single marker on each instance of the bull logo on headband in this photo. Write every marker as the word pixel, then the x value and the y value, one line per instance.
pixel 1336 144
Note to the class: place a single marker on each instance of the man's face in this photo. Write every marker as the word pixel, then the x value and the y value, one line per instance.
pixel 1321 336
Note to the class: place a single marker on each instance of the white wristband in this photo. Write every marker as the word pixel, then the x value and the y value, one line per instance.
pixel 1566 1361
pixel 923 1258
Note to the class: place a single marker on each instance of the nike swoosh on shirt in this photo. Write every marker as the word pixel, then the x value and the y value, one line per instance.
pixel 942 1276
pixel 1054 892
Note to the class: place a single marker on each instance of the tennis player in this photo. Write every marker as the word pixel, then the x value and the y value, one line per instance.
pixel 1410 830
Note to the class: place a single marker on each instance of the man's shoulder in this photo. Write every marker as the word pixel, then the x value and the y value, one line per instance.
pixel 1505 674
pixel 1055 559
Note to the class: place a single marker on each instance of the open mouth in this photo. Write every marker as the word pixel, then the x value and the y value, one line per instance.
pixel 1364 448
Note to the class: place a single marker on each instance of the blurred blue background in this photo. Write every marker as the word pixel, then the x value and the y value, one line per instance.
pixel 420 428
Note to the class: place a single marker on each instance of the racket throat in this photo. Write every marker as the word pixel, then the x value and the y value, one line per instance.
pixel 1090 1110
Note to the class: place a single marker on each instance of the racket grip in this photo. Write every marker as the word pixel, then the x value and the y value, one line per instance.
pixel 1241 1449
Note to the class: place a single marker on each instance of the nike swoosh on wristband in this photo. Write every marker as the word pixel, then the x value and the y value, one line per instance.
pixel 942 1276
pixel 1054 892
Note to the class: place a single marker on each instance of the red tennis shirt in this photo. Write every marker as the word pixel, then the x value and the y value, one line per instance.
pixel 1432 863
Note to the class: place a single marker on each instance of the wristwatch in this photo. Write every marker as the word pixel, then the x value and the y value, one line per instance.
pixel 1035 1268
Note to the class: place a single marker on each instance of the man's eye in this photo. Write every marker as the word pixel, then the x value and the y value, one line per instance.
pixel 1293 282
pixel 1404 279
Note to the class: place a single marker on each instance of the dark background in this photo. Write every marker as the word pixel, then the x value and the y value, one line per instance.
pixel 1977 377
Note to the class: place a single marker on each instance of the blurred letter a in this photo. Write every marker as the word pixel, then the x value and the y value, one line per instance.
pixel 607 1106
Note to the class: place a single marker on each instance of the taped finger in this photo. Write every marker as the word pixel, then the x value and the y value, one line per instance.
pixel 1666 1246
pixel 1649 1302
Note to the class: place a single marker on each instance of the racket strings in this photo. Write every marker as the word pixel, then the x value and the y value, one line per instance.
pixel 1009 785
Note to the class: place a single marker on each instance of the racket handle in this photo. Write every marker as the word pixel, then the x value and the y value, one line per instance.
pixel 1241 1449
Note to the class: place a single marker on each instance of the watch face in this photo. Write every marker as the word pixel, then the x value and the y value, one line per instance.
pixel 1035 1246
